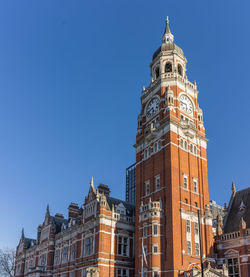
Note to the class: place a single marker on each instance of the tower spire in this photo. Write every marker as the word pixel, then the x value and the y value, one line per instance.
pixel 22 235
pixel 167 37
pixel 47 210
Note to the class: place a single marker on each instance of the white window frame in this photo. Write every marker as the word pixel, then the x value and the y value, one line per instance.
pixel 195 188
pixel 122 273
pixel 188 226
pixel 123 245
pixel 153 229
pixel 157 182
pixel 185 176
pixel 189 252
pixel 153 250
pixel 90 252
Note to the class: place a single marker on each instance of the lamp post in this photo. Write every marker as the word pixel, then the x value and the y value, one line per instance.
pixel 200 238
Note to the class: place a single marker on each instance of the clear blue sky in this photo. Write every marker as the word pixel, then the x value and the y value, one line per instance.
pixel 71 74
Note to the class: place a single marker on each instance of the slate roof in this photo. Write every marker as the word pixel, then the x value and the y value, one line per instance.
pixel 239 207
pixel 58 221
pixel 129 207
pixel 27 242
pixel 167 47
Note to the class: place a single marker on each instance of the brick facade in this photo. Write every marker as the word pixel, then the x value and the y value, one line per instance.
pixel 98 239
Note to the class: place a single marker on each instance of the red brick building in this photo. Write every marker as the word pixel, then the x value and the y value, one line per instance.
pixel 160 235
pixel 98 239
pixel 232 242
pixel 171 169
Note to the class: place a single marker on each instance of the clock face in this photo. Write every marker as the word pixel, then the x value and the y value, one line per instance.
pixel 153 107
pixel 185 104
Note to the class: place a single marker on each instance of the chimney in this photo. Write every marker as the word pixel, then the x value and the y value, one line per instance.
pixel 73 210
pixel 103 189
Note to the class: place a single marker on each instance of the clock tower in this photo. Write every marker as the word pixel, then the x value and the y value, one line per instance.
pixel 171 170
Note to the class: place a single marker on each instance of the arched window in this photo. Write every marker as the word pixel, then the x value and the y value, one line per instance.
pixel 168 67
pixel 186 145
pixel 155 147
pixel 191 148
pixel 182 143
pixel 180 71
pixel 157 72
pixel 159 145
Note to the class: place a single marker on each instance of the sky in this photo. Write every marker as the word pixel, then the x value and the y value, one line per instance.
pixel 71 75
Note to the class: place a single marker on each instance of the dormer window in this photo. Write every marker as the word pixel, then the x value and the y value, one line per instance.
pixel 168 67
pixel 180 70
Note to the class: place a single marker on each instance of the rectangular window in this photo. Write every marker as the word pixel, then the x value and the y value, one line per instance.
pixel 72 274
pixel 73 252
pixel 233 267
pixel 147 188
pixel 195 185
pixel 155 229
pixel 157 182
pixel 189 247
pixel 145 231
pixel 121 272
pixel 65 255
pixel 185 182
pixel 57 257
pixel 188 227
pixel 155 249
pixel 122 246
pixel 84 273
pixel 197 250
pixel 196 228
pixel 156 274
pixel 88 246
pixel 43 260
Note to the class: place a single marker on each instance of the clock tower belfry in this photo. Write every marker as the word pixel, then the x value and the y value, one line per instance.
pixel 171 169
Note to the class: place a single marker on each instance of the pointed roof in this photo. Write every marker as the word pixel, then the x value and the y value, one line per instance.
pixel 47 210
pixel 168 42
pixel 233 188
pixel 238 209
pixel 92 184
pixel 22 235
pixel 167 29
pixel 167 36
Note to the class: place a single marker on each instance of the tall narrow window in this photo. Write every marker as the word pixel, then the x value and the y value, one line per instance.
pixel 147 188
pixel 191 148
pixel 57 257
pixel 73 252
pixel 233 267
pixel 188 226
pixel 197 252
pixel 186 145
pixel 196 228
pixel 122 246
pixel 145 231
pixel 157 182
pixel 180 70
pixel 155 229
pixel 157 72
pixel 168 67
pixel 185 182
pixel 88 246
pixel 195 185
pixel 189 250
